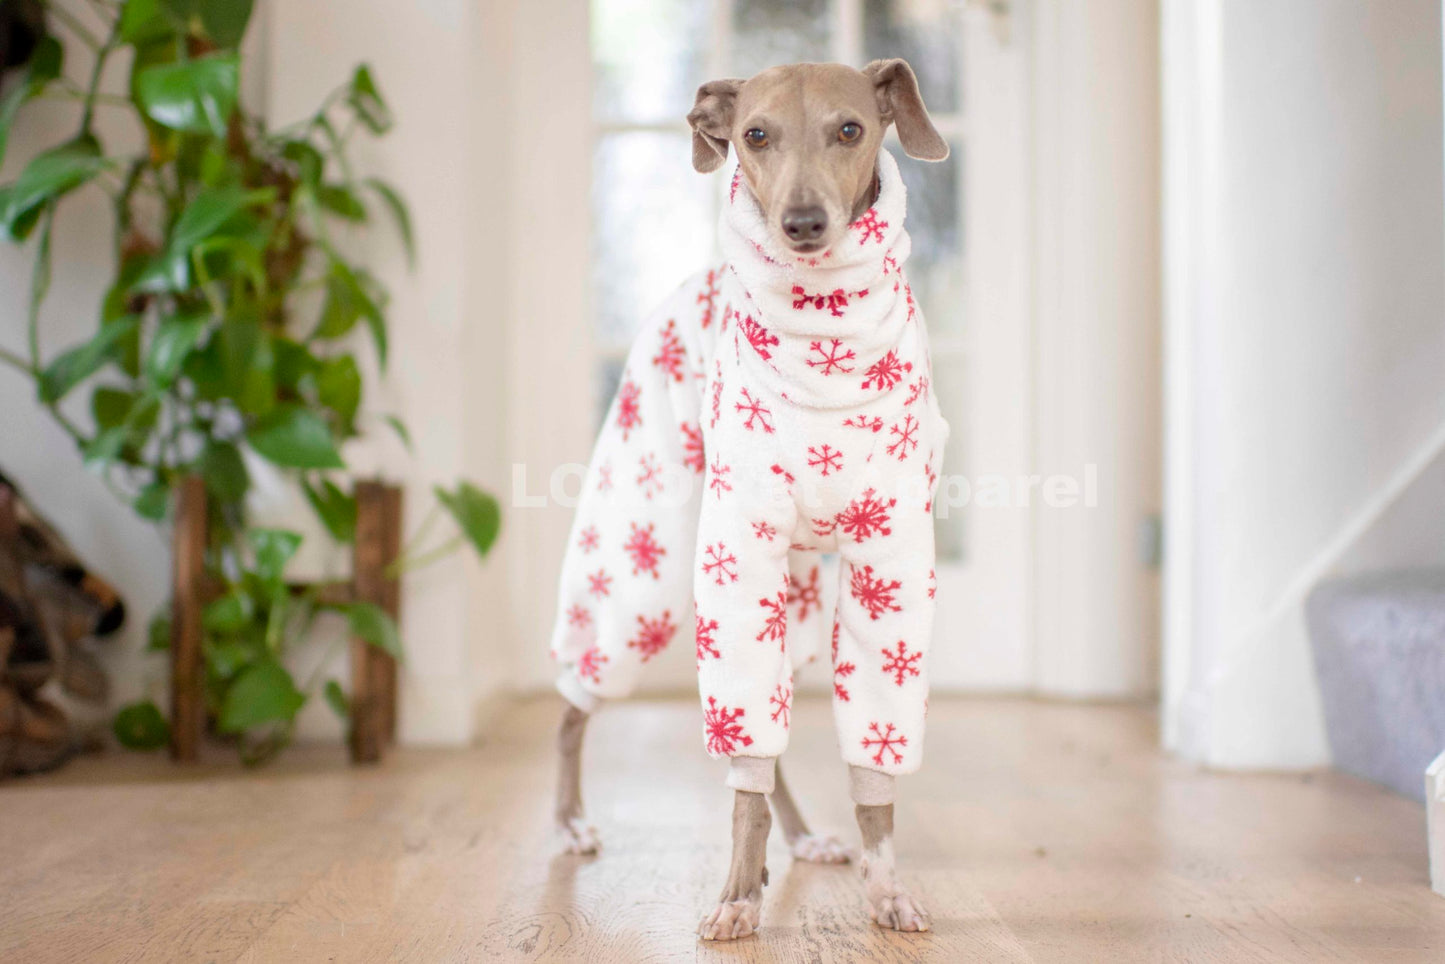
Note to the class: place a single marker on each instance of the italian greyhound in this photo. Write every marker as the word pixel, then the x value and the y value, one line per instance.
pixel 814 187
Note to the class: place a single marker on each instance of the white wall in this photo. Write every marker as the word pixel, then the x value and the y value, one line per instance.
pixel 1305 343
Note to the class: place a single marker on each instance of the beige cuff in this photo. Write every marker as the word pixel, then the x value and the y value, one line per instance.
pixel 752 773
pixel 869 788
pixel 571 689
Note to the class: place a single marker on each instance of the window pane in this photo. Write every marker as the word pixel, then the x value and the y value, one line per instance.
pixel 769 32
pixel 935 225
pixel 647 57
pixel 653 226
pixel 926 34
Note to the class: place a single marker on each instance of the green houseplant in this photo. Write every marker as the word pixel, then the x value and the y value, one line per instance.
pixel 232 323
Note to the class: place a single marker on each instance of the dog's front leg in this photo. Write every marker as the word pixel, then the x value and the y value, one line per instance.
pixel 741 903
pixel 888 903
pixel 576 835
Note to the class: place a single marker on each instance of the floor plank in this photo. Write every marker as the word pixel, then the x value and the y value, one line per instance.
pixel 1036 832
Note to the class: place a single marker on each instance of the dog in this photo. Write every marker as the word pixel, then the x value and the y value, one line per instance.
pixel 776 408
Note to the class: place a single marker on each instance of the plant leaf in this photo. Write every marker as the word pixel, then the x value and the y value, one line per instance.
pixel 366 100
pixel 43 67
pixel 477 513
pixel 203 218
pixel 229 614
pixel 264 693
pixel 76 365
pixel 338 387
pixel 335 509
pixel 173 342
pixel 337 700
pixel 103 449
pixel 140 726
pixel 195 96
pixel 47 177
pixel 399 214
pixel 109 406
pixel 399 427
pixel 153 501
pixel 274 548
pixel 370 622
pixel 158 633
pixel 224 471
pixel 341 201
pixel 295 437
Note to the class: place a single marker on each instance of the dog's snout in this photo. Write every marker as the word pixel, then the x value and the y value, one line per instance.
pixel 805 224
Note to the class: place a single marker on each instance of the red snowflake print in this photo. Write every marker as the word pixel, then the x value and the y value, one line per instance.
pixel 912 308
pixel 579 616
pixel 708 299
pixel 807 595
pixel 872 593
pixel 589 664
pixel 644 550
pixel 866 517
pixel 764 531
pixel 833 302
pixel 890 264
pixel 906 438
pixel 759 337
pixel 886 372
pixel 653 635
pixel 917 390
pixel 886 742
pixel 649 475
pixel 717 390
pixel 692 451
pixel 587 539
pixel 719 482
pixel 604 477
pixel 782 698
pixel 831 359
pixel 599 584
pixel 755 413
pixel 932 584
pixel 670 354
pixel 825 458
pixel 733 187
pixel 875 424
pixel 932 483
pixel 901 663
pixel 870 227
pixel 629 408
pixel 841 671
pixel 724 732
pixel 706 641
pixel 824 527
pixel 783 473
pixel 720 564
pixel 775 627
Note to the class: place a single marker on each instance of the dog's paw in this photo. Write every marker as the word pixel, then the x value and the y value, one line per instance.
pixel 818 848
pixel 731 920
pixel 578 837
pixel 899 912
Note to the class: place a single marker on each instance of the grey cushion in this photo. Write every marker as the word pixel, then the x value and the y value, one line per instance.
pixel 1379 648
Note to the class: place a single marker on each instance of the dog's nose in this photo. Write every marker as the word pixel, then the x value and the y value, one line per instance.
pixel 805 224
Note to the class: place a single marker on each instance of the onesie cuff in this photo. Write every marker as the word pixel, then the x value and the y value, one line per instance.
pixel 753 774
pixel 571 689
pixel 870 788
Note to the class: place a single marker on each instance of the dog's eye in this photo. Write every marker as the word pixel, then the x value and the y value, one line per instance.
pixel 849 132
pixel 756 137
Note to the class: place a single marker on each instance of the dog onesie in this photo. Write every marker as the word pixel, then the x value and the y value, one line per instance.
pixel 774 409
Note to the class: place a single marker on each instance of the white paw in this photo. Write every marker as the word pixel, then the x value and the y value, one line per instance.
pixel 578 837
pixel 819 849
pixel 899 912
pixel 730 920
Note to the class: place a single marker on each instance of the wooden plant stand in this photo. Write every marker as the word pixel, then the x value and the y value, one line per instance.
pixel 373 671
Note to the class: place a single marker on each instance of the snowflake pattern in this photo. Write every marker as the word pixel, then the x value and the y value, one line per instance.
pixel 718 482
pixel 841 671
pixel 589 664
pixel 588 539
pixel 866 517
pixel 762 530
pixel 831 359
pixel 670 354
pixel 825 459
pixel 782 698
pixel 806 595
pixel 834 302
pixel 717 390
pixel 759 337
pixel 649 475
pixel 783 473
pixel 708 299
pixel 720 564
pixel 874 424
pixel 599 584
pixel 579 616
pixel 886 741
pixel 755 413
pixel 644 549
pixel 906 438
pixel 775 625
pixel 917 390
pixel 706 640
pixel 724 732
pixel 653 635
pixel 604 477
pixel 870 227
pixel 900 664
pixel 692 450
pixel 932 584
pixel 873 594
pixel 629 407
pixel 886 372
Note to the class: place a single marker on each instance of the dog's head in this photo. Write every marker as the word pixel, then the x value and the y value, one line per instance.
pixel 807 137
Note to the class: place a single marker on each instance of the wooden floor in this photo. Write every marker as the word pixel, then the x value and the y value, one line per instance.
pixel 1036 832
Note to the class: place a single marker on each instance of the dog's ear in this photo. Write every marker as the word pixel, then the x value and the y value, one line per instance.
pixel 711 120
pixel 901 104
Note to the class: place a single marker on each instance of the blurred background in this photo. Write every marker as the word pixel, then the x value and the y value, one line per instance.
pixel 1188 254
